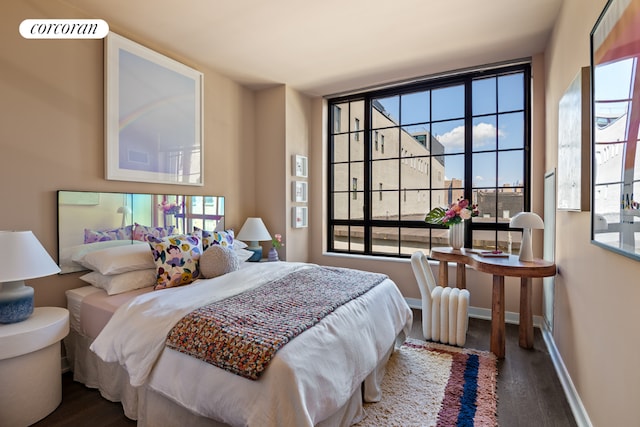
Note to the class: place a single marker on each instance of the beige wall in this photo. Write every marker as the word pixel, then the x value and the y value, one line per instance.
pixel 597 291
pixel 51 138
pixel 51 133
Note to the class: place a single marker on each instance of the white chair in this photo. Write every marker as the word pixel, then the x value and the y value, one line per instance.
pixel 445 311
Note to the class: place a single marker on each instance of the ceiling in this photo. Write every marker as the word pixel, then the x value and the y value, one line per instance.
pixel 331 46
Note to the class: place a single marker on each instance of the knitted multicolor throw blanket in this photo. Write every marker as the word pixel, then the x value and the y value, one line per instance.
pixel 241 334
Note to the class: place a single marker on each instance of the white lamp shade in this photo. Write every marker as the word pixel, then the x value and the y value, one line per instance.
pixel 526 220
pixel 254 230
pixel 23 257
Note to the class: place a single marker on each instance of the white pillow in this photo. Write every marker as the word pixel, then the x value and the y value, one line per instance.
pixel 119 259
pixel 239 244
pixel 75 253
pixel 243 254
pixel 123 282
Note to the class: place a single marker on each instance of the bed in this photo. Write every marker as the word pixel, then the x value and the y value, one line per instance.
pixel 320 377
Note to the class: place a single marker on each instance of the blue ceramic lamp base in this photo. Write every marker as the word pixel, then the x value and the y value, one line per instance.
pixel 16 302
pixel 257 252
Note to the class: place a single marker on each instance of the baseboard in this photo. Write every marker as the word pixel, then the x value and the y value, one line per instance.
pixel 579 412
pixel 577 408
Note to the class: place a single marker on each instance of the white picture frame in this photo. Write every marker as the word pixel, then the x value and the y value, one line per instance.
pixel 153 116
pixel 299 166
pixel 299 191
pixel 299 217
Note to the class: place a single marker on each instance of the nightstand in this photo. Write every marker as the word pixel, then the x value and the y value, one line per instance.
pixel 30 366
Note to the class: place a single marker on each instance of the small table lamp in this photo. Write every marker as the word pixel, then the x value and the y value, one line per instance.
pixel 23 257
pixel 526 221
pixel 254 231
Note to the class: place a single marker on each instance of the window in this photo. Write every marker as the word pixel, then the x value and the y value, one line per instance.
pixel 430 143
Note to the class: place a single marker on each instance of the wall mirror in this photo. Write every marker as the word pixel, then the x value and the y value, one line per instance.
pixel 92 220
pixel 615 121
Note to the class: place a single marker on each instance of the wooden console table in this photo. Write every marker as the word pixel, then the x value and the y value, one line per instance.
pixel 499 267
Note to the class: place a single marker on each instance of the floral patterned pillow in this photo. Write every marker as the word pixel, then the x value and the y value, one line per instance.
pixel 222 238
pixel 141 232
pixel 177 259
pixel 92 236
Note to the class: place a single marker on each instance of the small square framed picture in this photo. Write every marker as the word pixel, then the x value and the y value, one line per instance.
pixel 299 191
pixel 299 218
pixel 299 166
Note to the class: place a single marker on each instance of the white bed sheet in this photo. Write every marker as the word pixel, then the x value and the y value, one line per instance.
pixel 308 380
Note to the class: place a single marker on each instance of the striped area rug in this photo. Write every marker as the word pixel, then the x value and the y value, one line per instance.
pixel 428 384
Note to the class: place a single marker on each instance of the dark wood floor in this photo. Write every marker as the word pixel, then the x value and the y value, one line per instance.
pixel 529 392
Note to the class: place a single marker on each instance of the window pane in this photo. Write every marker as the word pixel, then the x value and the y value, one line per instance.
pixel 414 173
pixel 511 133
pixel 486 201
pixel 511 92
pixel 509 204
pixel 341 180
pixel 384 143
pixel 340 117
pixel 357 146
pixel 340 206
pixel 414 205
pixel 484 239
pixel 484 170
pixel 448 103
pixel 357 177
pixel 384 205
pixel 414 239
pixel 385 112
pixel 510 168
pixel 485 133
pixel 357 113
pixel 340 149
pixel 484 96
pixel 385 171
pixel 357 205
pixel 415 108
pixel 385 240
pixel 450 134
pixel 454 169
pixel 356 239
pixel 340 237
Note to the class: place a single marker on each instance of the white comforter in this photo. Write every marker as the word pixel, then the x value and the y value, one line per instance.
pixel 307 381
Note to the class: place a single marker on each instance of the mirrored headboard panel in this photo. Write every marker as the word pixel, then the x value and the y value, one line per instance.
pixel 91 220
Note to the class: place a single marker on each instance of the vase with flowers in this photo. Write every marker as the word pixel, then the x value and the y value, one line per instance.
pixel 453 217
pixel 276 242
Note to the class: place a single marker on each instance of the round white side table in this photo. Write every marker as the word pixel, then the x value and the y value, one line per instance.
pixel 30 366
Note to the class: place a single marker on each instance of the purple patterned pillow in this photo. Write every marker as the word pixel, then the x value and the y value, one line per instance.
pixel 92 236
pixel 222 238
pixel 177 259
pixel 141 232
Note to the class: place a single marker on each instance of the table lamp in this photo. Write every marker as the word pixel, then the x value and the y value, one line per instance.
pixel 526 221
pixel 254 231
pixel 124 210
pixel 23 257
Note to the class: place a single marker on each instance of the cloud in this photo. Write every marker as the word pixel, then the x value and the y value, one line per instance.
pixel 483 134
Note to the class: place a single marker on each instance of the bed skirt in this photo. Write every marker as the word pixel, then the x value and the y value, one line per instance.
pixel 150 408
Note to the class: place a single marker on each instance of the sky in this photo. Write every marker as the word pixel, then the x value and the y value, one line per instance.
pixel 445 108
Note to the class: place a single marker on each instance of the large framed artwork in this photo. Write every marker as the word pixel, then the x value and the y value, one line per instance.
pixel 574 137
pixel 615 122
pixel 153 116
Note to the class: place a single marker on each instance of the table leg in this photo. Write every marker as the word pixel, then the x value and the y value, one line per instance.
pixel 525 331
pixel 443 274
pixel 497 317
pixel 461 276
